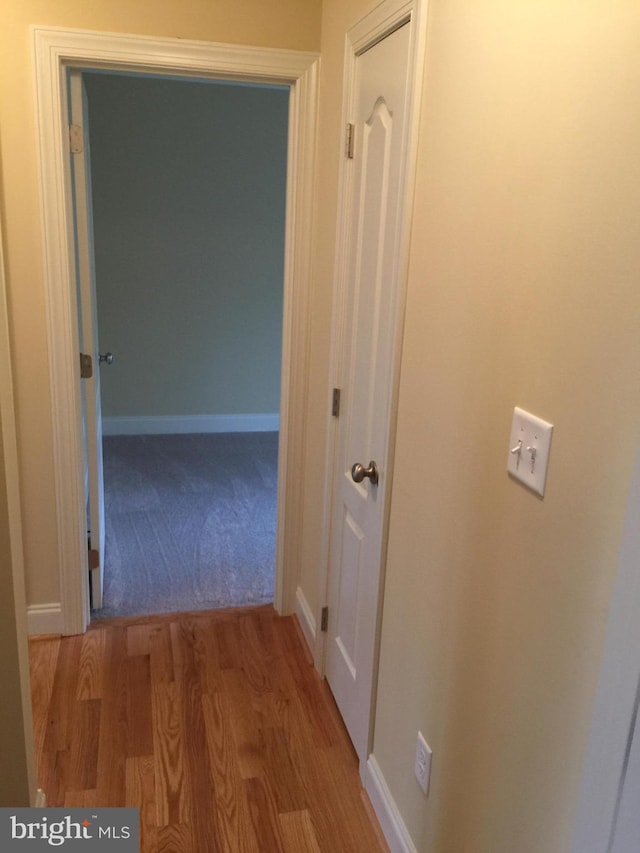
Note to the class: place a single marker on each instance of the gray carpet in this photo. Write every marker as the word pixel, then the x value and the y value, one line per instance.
pixel 191 522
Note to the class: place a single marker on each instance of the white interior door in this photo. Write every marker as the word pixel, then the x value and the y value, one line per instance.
pixel 381 91
pixel 88 329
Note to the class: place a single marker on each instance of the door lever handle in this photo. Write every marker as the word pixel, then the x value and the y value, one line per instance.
pixel 359 472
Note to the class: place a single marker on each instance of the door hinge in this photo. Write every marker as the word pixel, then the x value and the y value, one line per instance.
pixel 335 403
pixel 324 619
pixel 351 132
pixel 86 366
pixel 76 139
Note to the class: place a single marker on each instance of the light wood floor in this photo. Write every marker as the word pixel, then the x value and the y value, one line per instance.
pixel 215 725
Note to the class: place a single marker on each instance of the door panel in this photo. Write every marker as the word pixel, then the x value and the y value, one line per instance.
pixel 381 93
pixel 88 328
pixel 350 560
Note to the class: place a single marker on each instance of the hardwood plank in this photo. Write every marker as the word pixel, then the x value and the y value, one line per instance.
pixel 286 636
pixel 256 653
pixel 234 817
pixel 82 765
pixel 172 785
pixel 342 825
pixel 309 690
pixel 113 722
pixel 286 785
pixel 245 725
pixel 298 833
pixel 160 653
pixel 61 705
pixel 91 673
pixel 209 664
pixel 203 815
pixel 43 658
pixel 80 800
pixel 139 718
pixel 140 793
pixel 227 634
pixel 50 777
pixel 264 815
pixel 138 639
pixel 177 838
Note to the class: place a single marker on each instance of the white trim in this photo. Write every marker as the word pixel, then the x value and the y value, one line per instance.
pixel 386 810
pixel 303 118
pixel 613 710
pixel 45 619
pixel 306 619
pixel 55 51
pixel 181 424
pixel 374 26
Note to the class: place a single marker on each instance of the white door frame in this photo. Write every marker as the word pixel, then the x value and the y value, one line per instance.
pixel 380 22
pixel 56 50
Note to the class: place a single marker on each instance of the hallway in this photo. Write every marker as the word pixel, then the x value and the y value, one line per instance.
pixel 214 724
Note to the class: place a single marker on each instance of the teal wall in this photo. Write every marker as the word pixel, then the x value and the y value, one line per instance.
pixel 189 185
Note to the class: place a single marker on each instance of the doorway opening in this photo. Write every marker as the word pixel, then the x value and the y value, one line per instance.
pixel 57 51
pixel 187 184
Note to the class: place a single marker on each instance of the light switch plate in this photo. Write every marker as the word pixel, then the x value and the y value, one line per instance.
pixel 529 447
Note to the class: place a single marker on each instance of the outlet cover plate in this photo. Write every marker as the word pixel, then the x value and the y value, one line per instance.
pixel 529 448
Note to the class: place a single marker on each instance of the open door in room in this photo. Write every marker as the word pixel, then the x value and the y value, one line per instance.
pixel 375 189
pixel 88 334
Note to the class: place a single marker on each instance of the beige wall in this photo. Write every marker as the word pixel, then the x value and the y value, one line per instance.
pixel 273 23
pixel 524 291
pixel 14 774
pixel 17 770
pixel 189 244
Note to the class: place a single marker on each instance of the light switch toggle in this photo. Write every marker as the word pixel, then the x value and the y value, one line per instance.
pixel 530 435
pixel 517 452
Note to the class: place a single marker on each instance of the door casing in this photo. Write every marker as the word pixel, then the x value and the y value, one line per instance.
pixel 57 50
pixel 380 22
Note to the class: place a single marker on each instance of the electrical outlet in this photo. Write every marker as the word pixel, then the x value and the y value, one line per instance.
pixel 423 763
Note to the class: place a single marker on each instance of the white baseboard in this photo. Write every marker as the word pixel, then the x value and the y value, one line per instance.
pixel 389 818
pixel 306 619
pixel 182 424
pixel 44 619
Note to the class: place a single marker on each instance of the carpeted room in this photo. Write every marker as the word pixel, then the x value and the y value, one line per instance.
pixel 189 241
pixel 191 521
